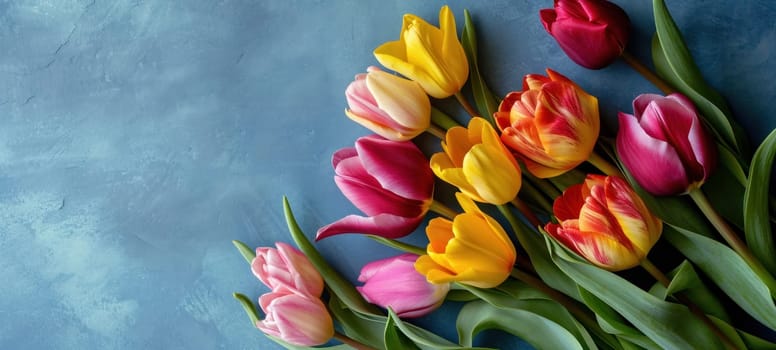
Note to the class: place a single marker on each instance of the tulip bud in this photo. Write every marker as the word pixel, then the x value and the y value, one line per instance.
pixel 295 318
pixel 394 283
pixel 475 161
pixel 664 145
pixel 593 33
pixel 431 56
pixel 287 267
pixel 389 181
pixel 472 249
pixel 391 106
pixel 552 124
pixel 605 221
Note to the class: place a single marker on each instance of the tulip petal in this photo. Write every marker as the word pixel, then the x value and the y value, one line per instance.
pixel 386 130
pixel 456 145
pixel 404 100
pixel 369 196
pixel 492 174
pixel 390 162
pixel 568 205
pixel 443 167
pixel 457 65
pixel 342 154
pixel 640 227
pixel 653 163
pixel 384 225
pixel 295 318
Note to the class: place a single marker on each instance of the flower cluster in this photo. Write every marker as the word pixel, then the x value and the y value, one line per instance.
pixel 572 226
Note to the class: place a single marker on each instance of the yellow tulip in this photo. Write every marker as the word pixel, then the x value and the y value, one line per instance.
pixel 431 56
pixel 472 249
pixel 475 161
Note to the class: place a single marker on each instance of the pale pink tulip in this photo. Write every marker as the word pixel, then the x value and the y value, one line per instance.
pixel 389 181
pixel 394 283
pixel 295 318
pixel 287 267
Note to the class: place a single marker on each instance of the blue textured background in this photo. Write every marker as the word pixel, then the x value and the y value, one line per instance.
pixel 138 138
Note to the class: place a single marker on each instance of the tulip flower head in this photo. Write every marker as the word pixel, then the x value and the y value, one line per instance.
pixel 431 56
pixel 394 283
pixel 605 221
pixel 391 106
pixel 387 180
pixel 287 267
pixel 552 124
pixel 472 249
pixel 664 145
pixel 593 33
pixel 475 161
pixel 295 318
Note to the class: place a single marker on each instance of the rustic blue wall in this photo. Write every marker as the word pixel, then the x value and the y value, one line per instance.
pixel 138 138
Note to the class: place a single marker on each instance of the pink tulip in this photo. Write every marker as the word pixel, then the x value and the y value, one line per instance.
pixel 287 267
pixel 664 145
pixel 295 318
pixel 593 33
pixel 391 106
pixel 389 181
pixel 395 283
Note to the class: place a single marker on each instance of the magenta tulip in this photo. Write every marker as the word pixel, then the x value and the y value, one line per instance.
pixel 295 318
pixel 287 267
pixel 394 283
pixel 664 145
pixel 593 33
pixel 389 181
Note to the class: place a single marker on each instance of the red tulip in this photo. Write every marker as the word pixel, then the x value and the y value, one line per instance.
pixel 593 33
pixel 664 145
pixel 389 181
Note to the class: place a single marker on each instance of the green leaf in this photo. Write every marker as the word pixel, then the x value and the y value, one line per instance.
pixel 757 224
pixel 288 346
pixel 362 328
pixel 398 245
pixel 486 102
pixel 442 120
pixel 542 333
pixel 671 326
pixel 249 308
pixel 726 194
pixel 338 284
pixel 673 61
pixel 423 338
pixel 247 253
pixel 728 271
pixel 684 279
pixel 613 323
pixel 394 338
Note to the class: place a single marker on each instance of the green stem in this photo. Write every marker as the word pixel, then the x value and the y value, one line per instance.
pixel 466 105
pixel 442 120
pixel 647 73
pixel 437 131
pixel 731 237
pixel 581 315
pixel 442 209
pixel 352 342
pixel 405 247
pixel 523 208
pixel 604 165
pixel 546 187
pixel 663 279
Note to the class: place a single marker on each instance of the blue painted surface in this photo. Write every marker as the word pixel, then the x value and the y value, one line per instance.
pixel 138 138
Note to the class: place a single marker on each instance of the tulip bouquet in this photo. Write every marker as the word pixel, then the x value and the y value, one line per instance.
pixel 553 215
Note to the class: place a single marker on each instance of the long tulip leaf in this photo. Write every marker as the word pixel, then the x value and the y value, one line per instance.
pixel 615 324
pixel 543 333
pixel 674 59
pixel 366 330
pixel 684 279
pixel 250 309
pixel 422 338
pixel 757 226
pixel 728 271
pixel 394 338
pixel 338 284
pixel 669 325
pixel 485 101
pixel 247 253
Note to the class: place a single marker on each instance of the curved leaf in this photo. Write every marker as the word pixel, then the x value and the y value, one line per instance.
pixel 249 308
pixel 613 323
pixel 757 224
pixel 728 271
pixel 542 333
pixel 669 325
pixel 486 102
pixel 367 330
pixel 247 253
pixel 422 338
pixel 394 338
pixel 684 279
pixel 675 63
pixel 338 284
